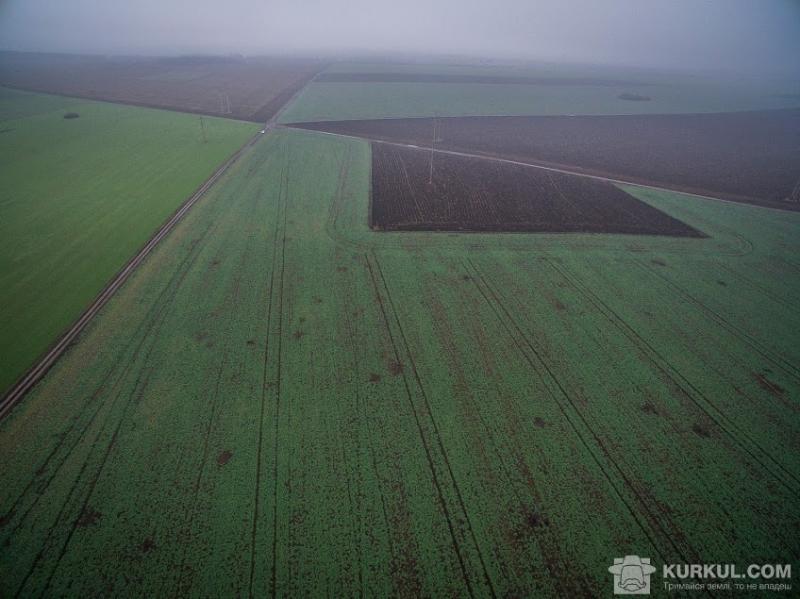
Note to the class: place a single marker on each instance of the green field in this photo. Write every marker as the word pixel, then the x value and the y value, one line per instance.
pixel 669 93
pixel 77 199
pixel 280 401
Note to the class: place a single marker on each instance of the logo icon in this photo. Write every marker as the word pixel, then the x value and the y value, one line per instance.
pixel 632 575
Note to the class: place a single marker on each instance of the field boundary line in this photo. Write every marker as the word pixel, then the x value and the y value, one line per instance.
pixel 43 364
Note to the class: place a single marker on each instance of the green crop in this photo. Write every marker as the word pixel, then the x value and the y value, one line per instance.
pixel 668 93
pixel 79 197
pixel 281 401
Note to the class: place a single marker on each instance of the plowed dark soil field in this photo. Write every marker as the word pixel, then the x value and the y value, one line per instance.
pixel 476 194
pixel 752 157
pixel 252 88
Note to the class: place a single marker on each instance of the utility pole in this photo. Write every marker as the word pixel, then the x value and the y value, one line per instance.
pixel 203 129
pixel 433 147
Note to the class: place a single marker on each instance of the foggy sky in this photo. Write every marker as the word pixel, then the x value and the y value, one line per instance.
pixel 745 35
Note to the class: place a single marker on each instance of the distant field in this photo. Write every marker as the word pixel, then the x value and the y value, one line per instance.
pixel 745 156
pixel 282 401
pixel 373 91
pixel 336 77
pixel 79 196
pixel 249 89
pixel 458 193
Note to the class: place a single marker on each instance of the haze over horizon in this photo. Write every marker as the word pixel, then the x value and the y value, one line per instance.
pixel 730 35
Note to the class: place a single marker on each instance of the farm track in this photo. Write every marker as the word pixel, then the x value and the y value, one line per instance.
pixel 44 363
pixel 117 372
pixel 158 313
pixel 35 374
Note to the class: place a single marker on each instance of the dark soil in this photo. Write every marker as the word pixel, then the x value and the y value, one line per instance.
pixel 224 457
pixel 88 517
pixel 71 115
pixel 487 79
pixel 252 88
pixel 701 431
pixel 751 157
pixel 395 368
pixel 475 194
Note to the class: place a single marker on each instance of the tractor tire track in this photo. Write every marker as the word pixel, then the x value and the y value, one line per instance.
pixel 789 306
pixel 540 366
pixel 285 193
pixel 436 434
pixel 278 240
pixel 159 311
pixel 423 439
pixel 687 388
pixel 787 367
pixel 214 405
pixel 142 331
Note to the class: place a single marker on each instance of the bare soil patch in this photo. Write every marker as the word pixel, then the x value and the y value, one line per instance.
pixel 475 194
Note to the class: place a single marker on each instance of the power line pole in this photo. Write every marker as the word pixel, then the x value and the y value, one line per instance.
pixel 433 146
pixel 203 129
